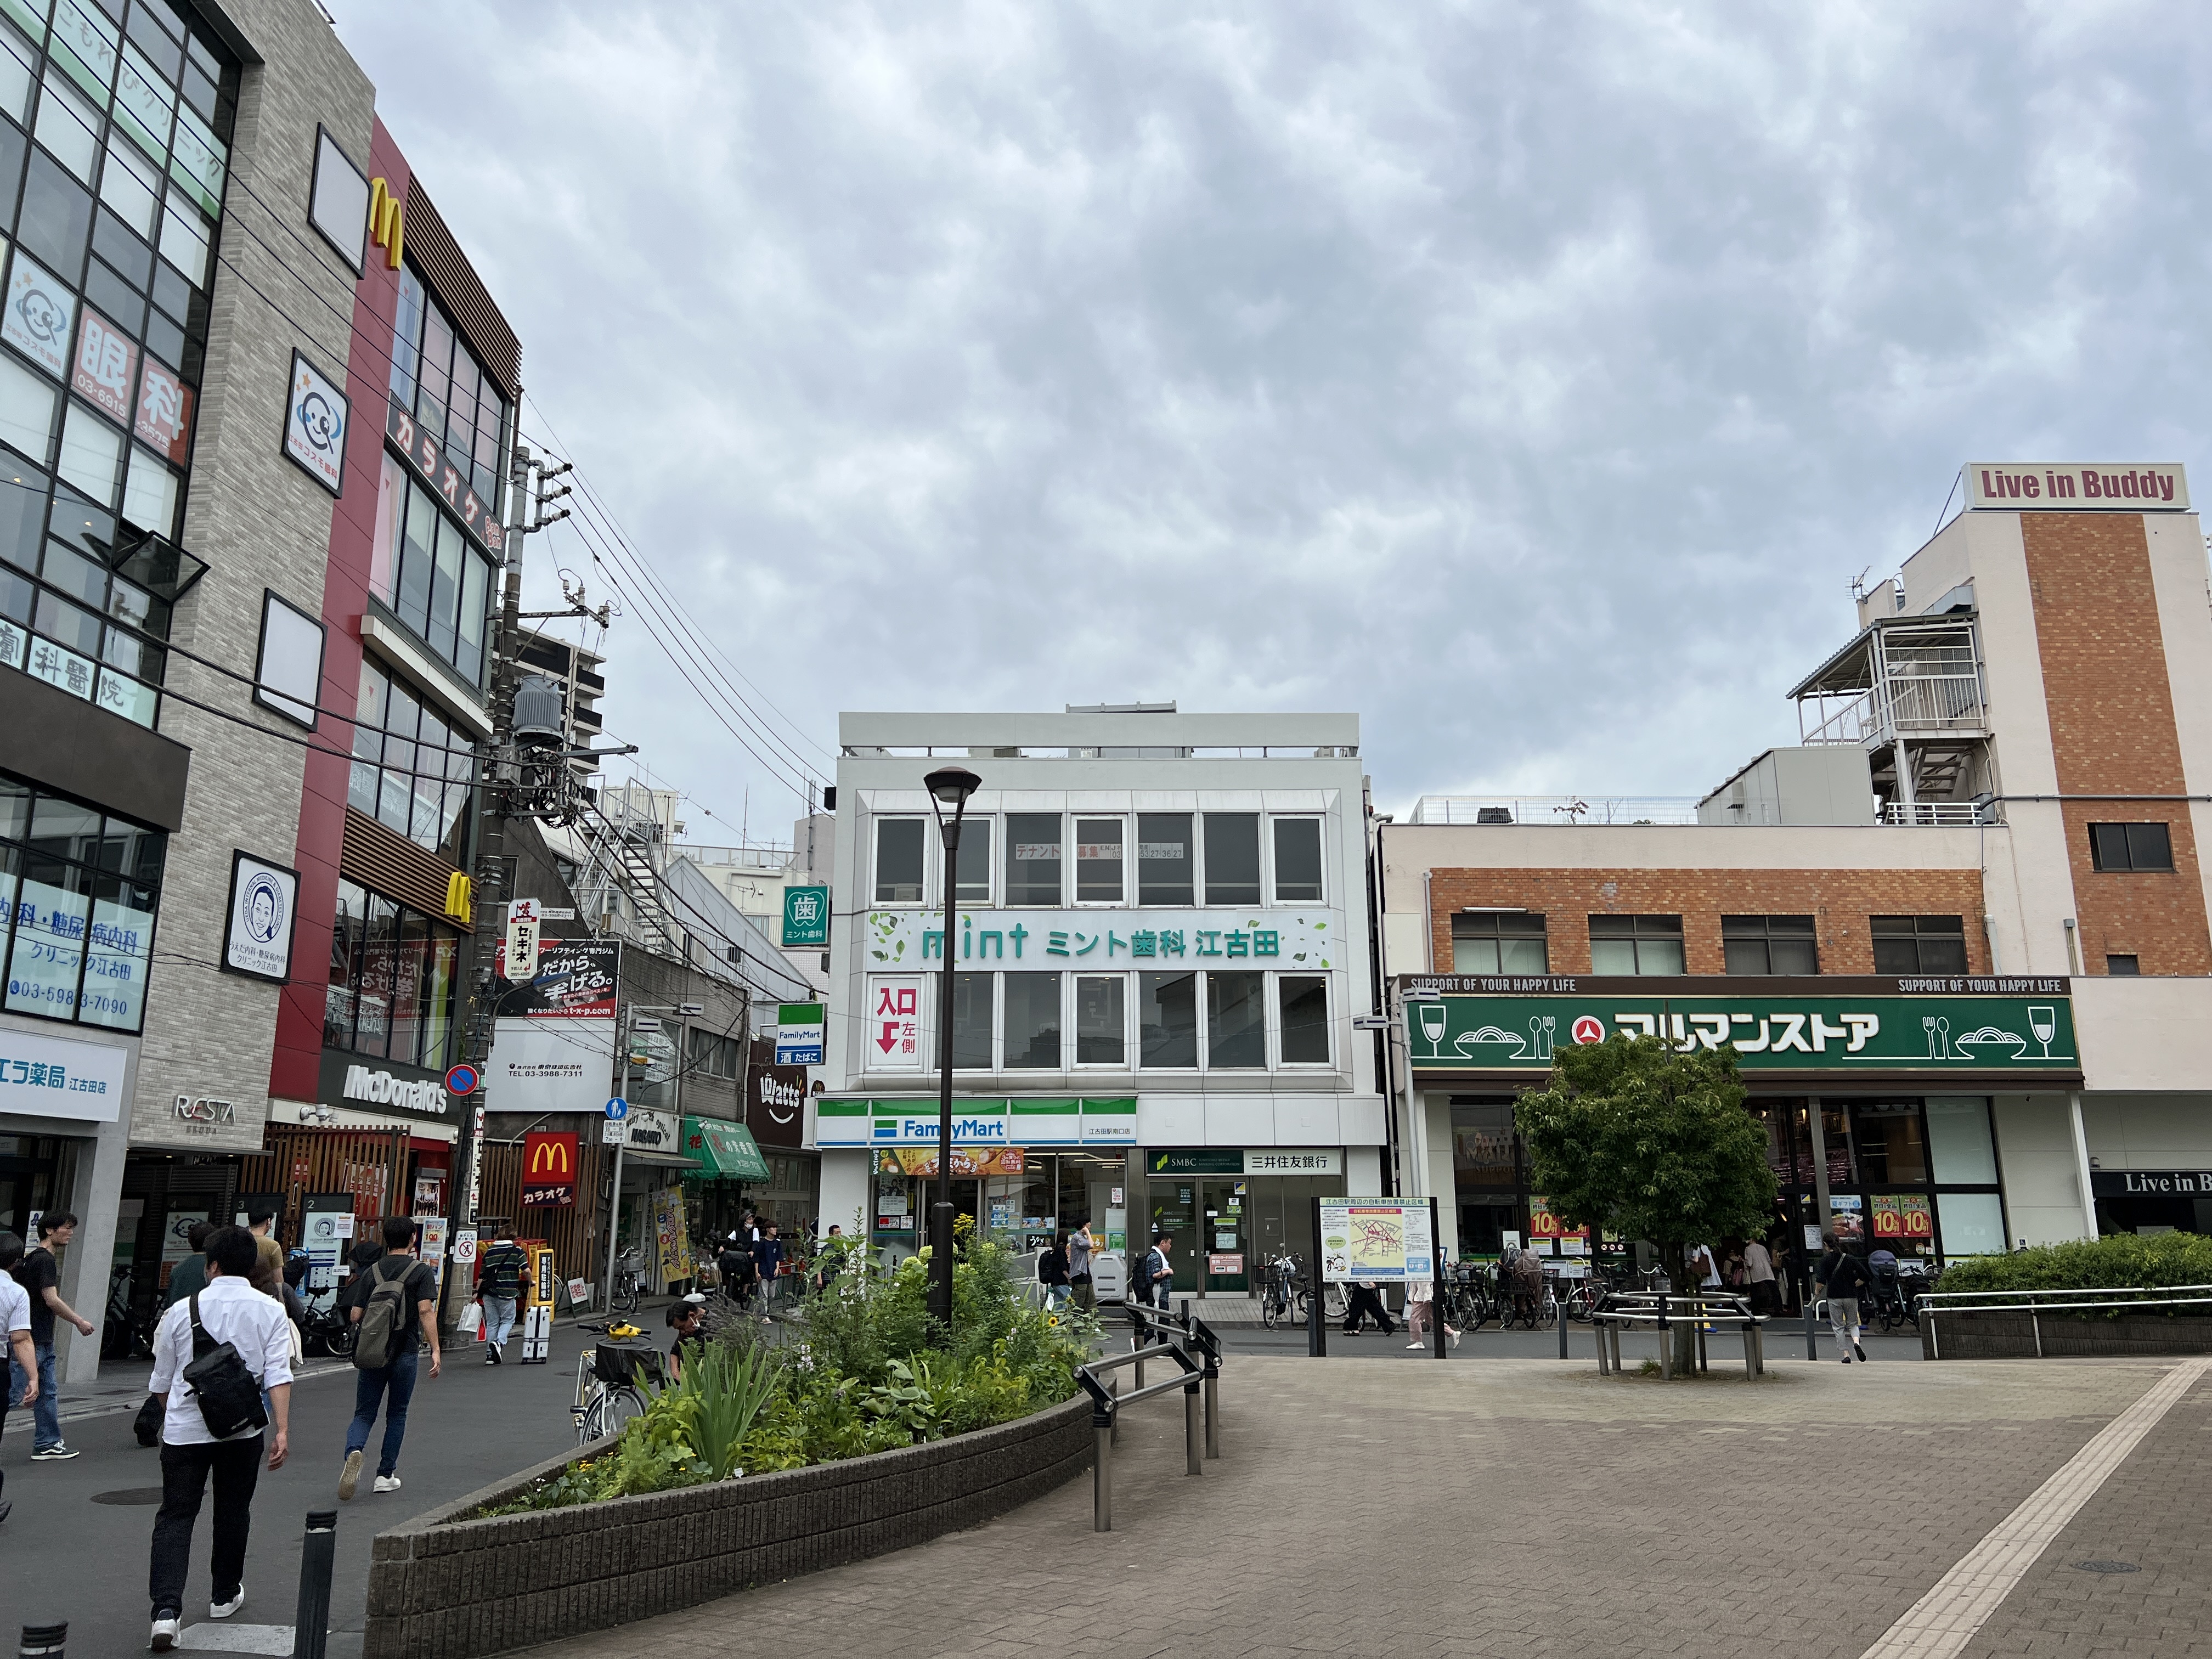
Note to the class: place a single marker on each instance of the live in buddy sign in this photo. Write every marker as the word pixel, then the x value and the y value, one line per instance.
pixel 1769 1032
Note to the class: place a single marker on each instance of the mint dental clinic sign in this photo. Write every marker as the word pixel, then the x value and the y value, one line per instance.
pixel 1888 1032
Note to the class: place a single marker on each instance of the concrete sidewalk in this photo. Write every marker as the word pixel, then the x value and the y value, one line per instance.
pixel 1512 1507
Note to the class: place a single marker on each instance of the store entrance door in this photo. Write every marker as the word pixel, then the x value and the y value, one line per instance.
pixel 1175 1212
pixel 1225 1237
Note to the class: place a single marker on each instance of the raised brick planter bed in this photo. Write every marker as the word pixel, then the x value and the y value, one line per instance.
pixel 443 1589
pixel 2013 1336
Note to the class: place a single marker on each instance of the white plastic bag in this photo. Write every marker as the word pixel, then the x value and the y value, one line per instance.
pixel 472 1319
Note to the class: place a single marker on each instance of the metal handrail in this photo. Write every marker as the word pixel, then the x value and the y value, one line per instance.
pixel 1664 1310
pixel 1927 1301
pixel 1196 1350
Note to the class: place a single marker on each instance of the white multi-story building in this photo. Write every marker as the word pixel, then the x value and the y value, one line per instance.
pixel 1160 943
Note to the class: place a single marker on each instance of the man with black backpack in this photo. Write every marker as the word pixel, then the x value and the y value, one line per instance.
pixel 215 1352
pixel 387 1299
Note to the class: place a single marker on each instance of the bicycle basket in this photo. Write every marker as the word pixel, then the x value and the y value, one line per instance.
pixel 617 1366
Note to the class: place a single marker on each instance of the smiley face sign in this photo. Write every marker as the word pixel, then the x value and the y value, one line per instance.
pixel 1589 1028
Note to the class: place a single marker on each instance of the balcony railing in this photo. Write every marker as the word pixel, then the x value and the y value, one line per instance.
pixel 1936 813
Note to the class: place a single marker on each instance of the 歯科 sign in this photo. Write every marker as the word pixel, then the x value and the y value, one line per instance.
pixel 1888 1030
pixel 806 917
pixel 2077 486
pixel 1303 939
pixel 549 1171
pixel 798 1033
pixel 1377 1238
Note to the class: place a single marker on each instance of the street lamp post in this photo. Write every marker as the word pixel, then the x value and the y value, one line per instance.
pixel 948 785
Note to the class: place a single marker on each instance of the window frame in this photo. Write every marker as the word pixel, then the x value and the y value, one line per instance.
pixel 1204 872
pixel 1278 1024
pixel 1197 1019
pixel 1271 886
pixel 2125 834
pixel 1737 930
pixel 1635 935
pixel 1205 1060
pixel 998 992
pixel 1916 934
pixel 1072 1026
pixel 947 864
pixel 1075 844
pixel 1134 857
pixel 920 899
pixel 1007 861
pixel 1498 936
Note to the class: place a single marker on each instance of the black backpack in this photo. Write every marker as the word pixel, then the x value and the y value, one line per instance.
pixel 229 1394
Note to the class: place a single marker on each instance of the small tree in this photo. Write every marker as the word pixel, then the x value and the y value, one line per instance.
pixel 1634 1136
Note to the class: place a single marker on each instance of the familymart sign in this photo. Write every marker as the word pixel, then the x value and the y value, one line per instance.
pixel 1056 1120
pixel 1769 1032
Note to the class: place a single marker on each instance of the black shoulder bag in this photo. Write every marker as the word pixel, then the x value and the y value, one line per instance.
pixel 228 1393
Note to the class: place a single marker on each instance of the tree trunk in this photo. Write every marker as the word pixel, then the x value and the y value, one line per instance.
pixel 1686 1282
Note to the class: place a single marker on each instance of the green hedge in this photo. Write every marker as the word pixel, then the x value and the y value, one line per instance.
pixel 2122 1261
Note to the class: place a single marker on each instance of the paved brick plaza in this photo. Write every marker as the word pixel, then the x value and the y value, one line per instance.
pixel 1520 1507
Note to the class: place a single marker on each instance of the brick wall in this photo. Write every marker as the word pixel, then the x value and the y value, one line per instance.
pixel 2112 733
pixel 1840 901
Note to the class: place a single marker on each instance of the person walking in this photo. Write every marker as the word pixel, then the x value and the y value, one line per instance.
pixel 1080 1245
pixel 16 1320
pixel 228 1310
pixel 39 1274
pixel 1365 1303
pixel 269 1271
pixel 188 1275
pixel 383 1298
pixel 1158 1271
pixel 1420 1310
pixel 500 1269
pixel 768 1259
pixel 739 1273
pixel 1758 1269
pixel 1052 1273
pixel 1841 1276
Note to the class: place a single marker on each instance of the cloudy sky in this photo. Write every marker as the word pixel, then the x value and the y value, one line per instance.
pixel 1533 380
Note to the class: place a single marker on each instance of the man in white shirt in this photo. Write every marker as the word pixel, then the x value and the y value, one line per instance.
pixel 15 1320
pixel 230 1311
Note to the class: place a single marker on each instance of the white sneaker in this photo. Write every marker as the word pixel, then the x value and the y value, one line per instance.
pixel 387 1483
pixel 349 1477
pixel 165 1635
pixel 224 1609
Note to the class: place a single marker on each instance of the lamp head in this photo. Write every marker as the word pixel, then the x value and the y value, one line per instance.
pixel 951 786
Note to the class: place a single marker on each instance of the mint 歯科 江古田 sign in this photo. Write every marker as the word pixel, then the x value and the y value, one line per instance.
pixel 806 917
pixel 1769 1032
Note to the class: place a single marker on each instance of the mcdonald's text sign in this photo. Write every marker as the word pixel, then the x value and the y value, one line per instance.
pixel 549 1171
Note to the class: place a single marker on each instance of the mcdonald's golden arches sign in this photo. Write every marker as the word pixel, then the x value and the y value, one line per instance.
pixel 549 1171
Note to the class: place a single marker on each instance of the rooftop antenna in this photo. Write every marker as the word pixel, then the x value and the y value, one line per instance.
pixel 1858 585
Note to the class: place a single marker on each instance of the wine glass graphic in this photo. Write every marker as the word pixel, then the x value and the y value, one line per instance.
pixel 1432 1015
pixel 2044 1022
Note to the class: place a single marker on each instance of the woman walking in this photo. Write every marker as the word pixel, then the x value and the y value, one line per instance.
pixel 1420 1311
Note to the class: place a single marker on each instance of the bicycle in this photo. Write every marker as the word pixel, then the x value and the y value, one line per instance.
pixel 1469 1302
pixel 1278 1282
pixel 607 1375
pixel 626 1282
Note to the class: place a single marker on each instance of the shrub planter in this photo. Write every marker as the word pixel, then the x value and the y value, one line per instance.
pixel 2013 1336
pixel 443 1588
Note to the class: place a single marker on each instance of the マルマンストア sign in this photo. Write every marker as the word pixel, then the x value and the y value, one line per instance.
pixel 2077 487
pixel 1769 1031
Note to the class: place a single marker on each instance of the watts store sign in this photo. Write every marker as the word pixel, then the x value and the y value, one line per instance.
pixel 1887 1026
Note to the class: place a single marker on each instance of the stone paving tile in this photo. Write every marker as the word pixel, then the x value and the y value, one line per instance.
pixel 1504 1507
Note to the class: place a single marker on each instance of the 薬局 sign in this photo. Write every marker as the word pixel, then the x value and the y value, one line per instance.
pixel 258 932
pixel 798 1030
pixel 1936 1033
pixel 806 917
pixel 1378 1238
pixel 2075 487
pixel 43 1076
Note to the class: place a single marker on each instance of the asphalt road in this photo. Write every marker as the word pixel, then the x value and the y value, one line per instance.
pixel 66 1556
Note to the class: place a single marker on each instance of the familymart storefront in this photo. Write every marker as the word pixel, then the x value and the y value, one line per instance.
pixel 1906 1114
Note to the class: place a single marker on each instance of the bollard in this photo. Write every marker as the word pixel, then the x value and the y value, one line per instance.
pixel 1102 1473
pixel 1562 1330
pixel 1191 1454
pixel 1812 1341
pixel 43 1641
pixel 318 1554
pixel 1213 1432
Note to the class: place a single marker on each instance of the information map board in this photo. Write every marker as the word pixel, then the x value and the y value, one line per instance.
pixel 1384 1240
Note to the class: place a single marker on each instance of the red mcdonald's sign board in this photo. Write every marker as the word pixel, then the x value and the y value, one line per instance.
pixel 549 1171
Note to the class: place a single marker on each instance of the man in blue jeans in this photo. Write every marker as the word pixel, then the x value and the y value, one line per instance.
pixel 40 1277
pixel 393 1384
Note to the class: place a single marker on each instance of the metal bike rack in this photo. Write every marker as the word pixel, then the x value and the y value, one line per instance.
pixel 1663 1313
pixel 1196 1352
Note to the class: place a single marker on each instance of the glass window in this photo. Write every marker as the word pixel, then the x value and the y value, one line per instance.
pixel 1033 859
pixel 131 189
pixel 445 588
pixel 69 126
pixel 150 494
pixel 1888 1135
pixel 1485 1149
pixel 1297 861
pixel 475 582
pixel 407 336
pixel 1032 1022
pixel 2131 847
pixel 972 880
pixel 1101 1026
pixel 1499 942
pixel 1232 858
pixel 1304 1002
pixel 899 852
pixel 419 535
pixel 1235 1022
pixel 1636 944
pixel 379 947
pixel 410 966
pixel 27 409
pixel 971 1021
pixel 1769 945
pixel 1165 864
pixel 184 241
pixel 1972 1223
pixel 56 221
pixel 1960 1147
pixel 410 771
pixel 92 453
pixel 2122 965
pixel 385 552
pixel 1919 944
pixel 1167 1019
pixel 347 929
pixel 1098 860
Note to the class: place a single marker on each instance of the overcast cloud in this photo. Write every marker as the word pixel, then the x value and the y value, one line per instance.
pixel 1532 380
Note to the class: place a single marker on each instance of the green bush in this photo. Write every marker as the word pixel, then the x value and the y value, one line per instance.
pixel 2117 1262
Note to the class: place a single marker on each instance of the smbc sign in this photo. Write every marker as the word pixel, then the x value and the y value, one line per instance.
pixel 1768 1033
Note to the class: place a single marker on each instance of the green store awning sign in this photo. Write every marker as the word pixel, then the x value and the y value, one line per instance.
pixel 1877 1033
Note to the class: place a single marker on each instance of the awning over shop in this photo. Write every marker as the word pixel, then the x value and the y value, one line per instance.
pixel 724 1151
